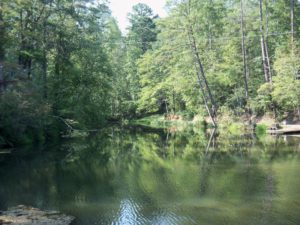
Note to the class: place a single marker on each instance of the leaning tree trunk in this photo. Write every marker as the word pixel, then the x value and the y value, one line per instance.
pixel 203 84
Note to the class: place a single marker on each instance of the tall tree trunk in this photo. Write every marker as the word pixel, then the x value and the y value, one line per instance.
pixel 209 27
pixel 44 62
pixel 292 22
pixel 266 43
pixel 264 48
pixel 2 34
pixel 174 104
pixel 209 37
pixel 24 60
pixel 244 51
pixel 166 105
pixel 293 30
pixel 268 61
pixel 44 69
pixel 2 42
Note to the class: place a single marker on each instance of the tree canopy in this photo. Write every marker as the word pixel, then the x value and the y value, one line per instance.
pixel 65 65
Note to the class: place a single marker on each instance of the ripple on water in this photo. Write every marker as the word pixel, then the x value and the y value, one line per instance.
pixel 131 213
pixel 171 218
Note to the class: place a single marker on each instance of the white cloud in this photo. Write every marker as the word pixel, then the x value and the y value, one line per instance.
pixel 120 9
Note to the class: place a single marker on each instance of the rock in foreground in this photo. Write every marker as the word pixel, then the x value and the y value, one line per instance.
pixel 23 215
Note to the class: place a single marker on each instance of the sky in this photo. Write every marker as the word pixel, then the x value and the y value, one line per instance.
pixel 120 9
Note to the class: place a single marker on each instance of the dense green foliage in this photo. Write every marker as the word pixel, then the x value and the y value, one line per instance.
pixel 57 66
pixel 168 74
pixel 65 65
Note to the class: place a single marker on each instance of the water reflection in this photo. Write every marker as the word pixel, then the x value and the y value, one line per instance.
pixel 155 177
pixel 129 213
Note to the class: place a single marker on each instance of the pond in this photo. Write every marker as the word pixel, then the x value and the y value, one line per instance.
pixel 163 177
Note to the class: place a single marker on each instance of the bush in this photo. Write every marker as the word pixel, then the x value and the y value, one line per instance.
pixel 23 118
pixel 261 130
pixel 263 102
pixel 187 115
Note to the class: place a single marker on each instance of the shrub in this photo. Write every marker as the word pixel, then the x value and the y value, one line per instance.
pixel 23 118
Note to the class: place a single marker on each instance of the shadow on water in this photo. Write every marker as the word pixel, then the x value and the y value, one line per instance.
pixel 153 176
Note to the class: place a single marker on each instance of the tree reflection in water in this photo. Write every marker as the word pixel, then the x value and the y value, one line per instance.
pixel 132 176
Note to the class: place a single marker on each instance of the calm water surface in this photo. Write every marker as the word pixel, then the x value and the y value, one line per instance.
pixel 132 176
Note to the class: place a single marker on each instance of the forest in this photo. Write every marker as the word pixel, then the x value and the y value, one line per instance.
pixel 65 65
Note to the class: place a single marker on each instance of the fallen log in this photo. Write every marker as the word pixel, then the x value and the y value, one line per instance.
pixel 287 129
